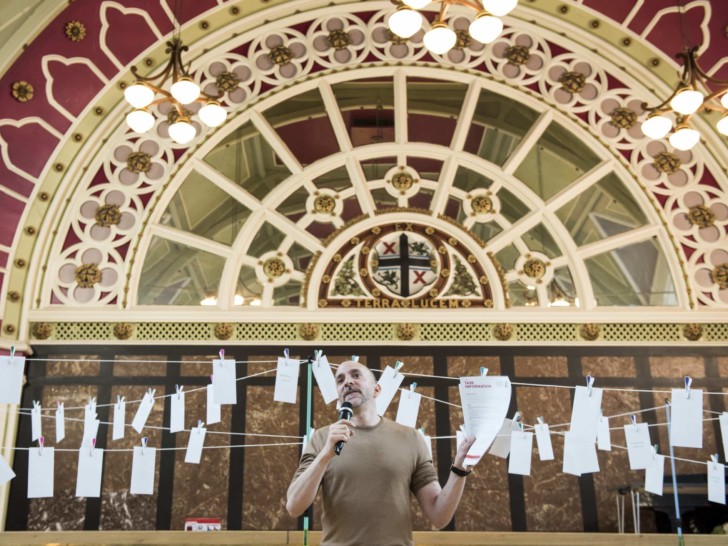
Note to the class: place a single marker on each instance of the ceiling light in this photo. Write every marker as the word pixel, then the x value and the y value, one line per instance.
pixel 209 301
pixel 684 102
pixel 141 95
pixel 440 39
pixel 238 300
pixel 256 301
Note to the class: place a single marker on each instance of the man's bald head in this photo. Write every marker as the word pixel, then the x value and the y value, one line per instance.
pixel 354 363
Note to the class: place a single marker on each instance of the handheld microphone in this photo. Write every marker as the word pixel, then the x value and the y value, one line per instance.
pixel 345 412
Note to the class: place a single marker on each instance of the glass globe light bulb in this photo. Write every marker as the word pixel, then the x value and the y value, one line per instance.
pixel 182 131
pixel 416 4
pixel 684 138
pixel 405 22
pixel 439 39
pixel 499 8
pixel 687 101
pixel 185 90
pixel 138 95
pixel 238 300
pixel 656 126
pixel 722 125
pixel 485 28
pixel 140 120
pixel 212 114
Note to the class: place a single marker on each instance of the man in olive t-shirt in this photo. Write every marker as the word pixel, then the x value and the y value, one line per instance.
pixel 365 491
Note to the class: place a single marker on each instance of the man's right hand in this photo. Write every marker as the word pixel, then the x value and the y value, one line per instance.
pixel 340 431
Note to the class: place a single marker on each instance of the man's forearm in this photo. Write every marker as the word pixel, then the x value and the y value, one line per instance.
pixel 447 501
pixel 302 491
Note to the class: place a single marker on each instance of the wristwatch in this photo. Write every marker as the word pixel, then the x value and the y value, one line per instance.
pixel 459 471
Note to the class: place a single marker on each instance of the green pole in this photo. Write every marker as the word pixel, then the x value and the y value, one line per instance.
pixel 309 388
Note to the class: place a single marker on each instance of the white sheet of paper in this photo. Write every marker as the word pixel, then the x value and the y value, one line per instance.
pixel 224 381
pixel 88 476
pixel 485 403
pixel 428 443
pixel 119 420
pixel 142 414
pixel 604 435
pixel 724 433
pixel 639 447
pixel 11 379
pixel 194 445
pixel 40 472
pixel 580 455
pixel 716 482
pixel 325 379
pixel 655 475
pixel 214 414
pixel 6 473
pixel 286 387
pixel 543 442
pixel 389 382
pixel 177 412
pixel 60 423
pixel 90 432
pixel 501 445
pixel 409 407
pixel 36 422
pixel 585 412
pixel 571 464
pixel 521 449
pixel 142 471
pixel 686 429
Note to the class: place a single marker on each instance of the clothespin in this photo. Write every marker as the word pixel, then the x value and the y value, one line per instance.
pixel 199 426
pixel 714 458
pixel 12 352
pixel 41 443
pixel 589 384
pixel 285 354
pixel 634 421
pixel 211 378
pixel 222 354
pixel 421 430
pixel 151 394
pixel 688 382
pixel 36 405
pixel 654 451
pixel 412 389
pixel 119 399
pixel 355 358
pixel 317 353
pixel 517 417
pixel 540 420
pixel 483 371
pixel 93 446
pixel 397 366
pixel 179 391
pixel 145 440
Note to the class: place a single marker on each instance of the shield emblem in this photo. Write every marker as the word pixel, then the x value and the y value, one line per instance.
pixel 404 264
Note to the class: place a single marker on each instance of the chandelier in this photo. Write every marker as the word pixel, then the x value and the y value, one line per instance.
pixel 141 95
pixel 685 101
pixel 440 39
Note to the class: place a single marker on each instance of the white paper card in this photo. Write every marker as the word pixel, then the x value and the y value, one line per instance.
pixel 88 476
pixel 724 433
pixel 501 446
pixel 580 455
pixel 177 412
pixel 716 482
pixel 11 378
pixel 224 381
pixel 6 473
pixel 35 421
pixel 142 414
pixel 214 415
pixel 409 407
pixel 639 447
pixel 686 429
pixel 428 443
pixel 90 432
pixel 585 412
pixel 119 420
pixel 485 403
pixel 389 382
pixel 543 442
pixel 655 474
pixel 60 423
pixel 325 379
pixel 521 449
pixel 40 472
pixel 286 387
pixel 194 445
pixel 604 435
pixel 142 471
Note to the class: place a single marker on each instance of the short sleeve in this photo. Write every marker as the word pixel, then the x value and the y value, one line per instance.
pixel 424 470
pixel 312 450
